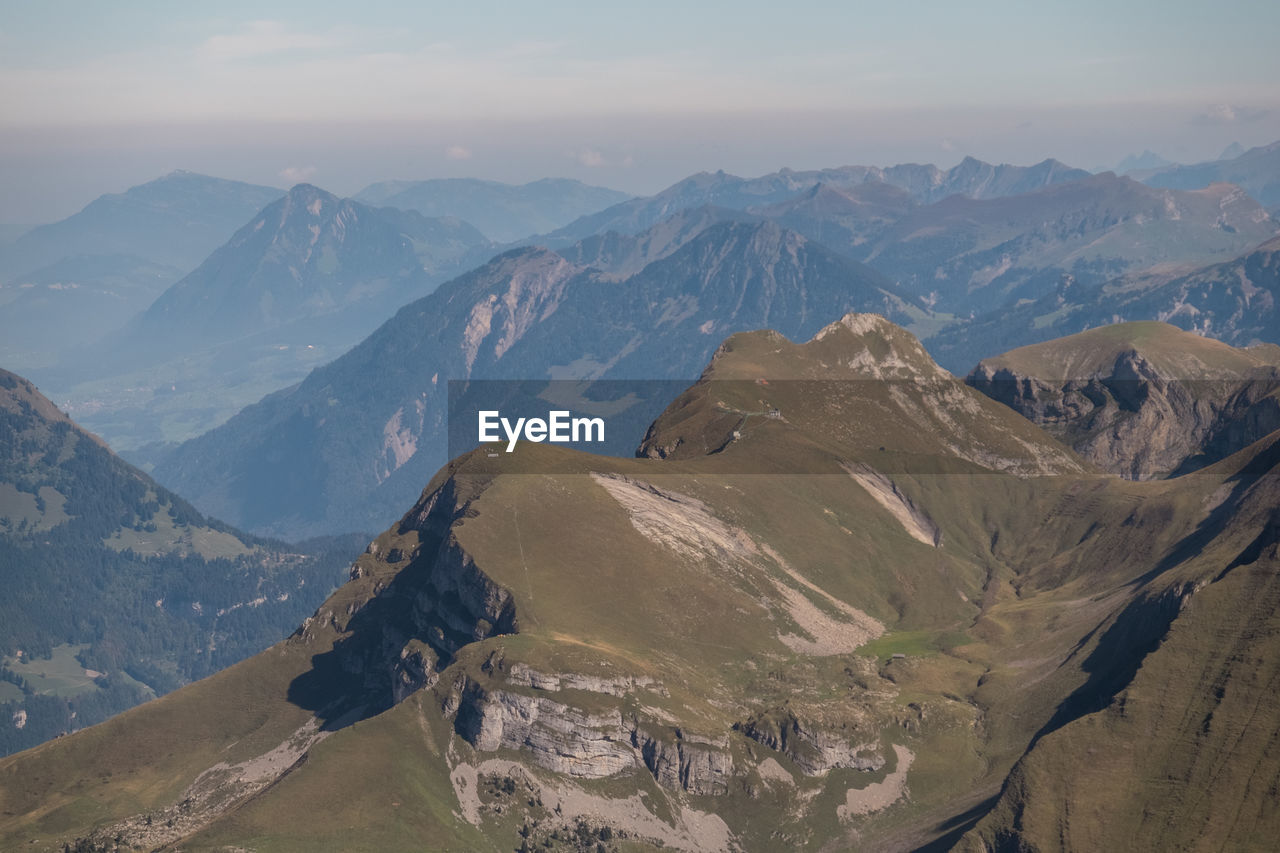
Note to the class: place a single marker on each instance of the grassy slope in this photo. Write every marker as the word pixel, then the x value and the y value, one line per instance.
pixel 143 759
pixel 1175 353
pixel 1184 755
pixel 996 625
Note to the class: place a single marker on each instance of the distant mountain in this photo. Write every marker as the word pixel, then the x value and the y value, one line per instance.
pixel 986 243
pixel 846 220
pixel 504 212
pixel 307 254
pixel 1148 159
pixel 924 183
pixel 973 178
pixel 622 255
pixel 174 221
pixel 115 588
pixel 360 435
pixel 304 279
pixel 1233 301
pixel 1231 152
pixel 1143 400
pixel 1257 171
pixel 967 255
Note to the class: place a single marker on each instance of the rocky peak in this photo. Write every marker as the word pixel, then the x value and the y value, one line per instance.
pixel 1143 400
pixel 860 385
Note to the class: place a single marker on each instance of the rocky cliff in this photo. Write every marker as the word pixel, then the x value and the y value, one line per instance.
pixel 1142 400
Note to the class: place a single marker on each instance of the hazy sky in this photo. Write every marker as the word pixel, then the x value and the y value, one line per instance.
pixel 97 96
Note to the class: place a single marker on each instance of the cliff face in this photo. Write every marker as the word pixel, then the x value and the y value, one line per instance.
pixel 419 613
pixel 1134 412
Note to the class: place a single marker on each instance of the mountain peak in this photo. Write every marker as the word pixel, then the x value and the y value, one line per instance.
pixel 858 324
pixel 1231 152
pixel 860 387
pixel 311 198
pixel 1177 355
pixel 20 395
pixel 1143 400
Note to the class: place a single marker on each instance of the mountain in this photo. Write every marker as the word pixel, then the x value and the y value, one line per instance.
pixel 1148 159
pixel 999 235
pixel 925 184
pixel 1231 152
pixel 174 221
pixel 846 220
pixel 1233 301
pixel 299 283
pixel 966 255
pixel 621 255
pixel 117 590
pixel 1142 400
pixel 307 254
pixel 504 212
pixel 973 178
pixel 882 612
pixel 356 439
pixel 1257 171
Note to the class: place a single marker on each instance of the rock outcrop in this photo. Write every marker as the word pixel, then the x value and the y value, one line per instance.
pixel 815 750
pixel 585 744
pixel 1137 411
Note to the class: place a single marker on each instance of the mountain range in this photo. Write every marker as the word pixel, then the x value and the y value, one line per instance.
pixel 275 302
pixel 302 281
pixel 67 284
pixel 922 183
pixel 932 626
pixel 504 212
pixel 974 256
pixel 176 220
pixel 357 437
pixel 975 237
pixel 1233 301
pixel 650 305
pixel 1257 171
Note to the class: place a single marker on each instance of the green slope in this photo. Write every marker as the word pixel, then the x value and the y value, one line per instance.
pixel 839 603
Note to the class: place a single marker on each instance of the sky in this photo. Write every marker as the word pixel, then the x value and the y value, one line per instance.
pixel 95 97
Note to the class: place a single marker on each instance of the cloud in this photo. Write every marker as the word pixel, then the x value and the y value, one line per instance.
pixel 458 152
pixel 263 38
pixel 297 174
pixel 590 158
pixel 1228 114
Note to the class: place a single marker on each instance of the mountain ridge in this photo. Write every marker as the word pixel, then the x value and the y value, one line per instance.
pixel 116 612
pixel 510 319
pixel 502 211
pixel 712 660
